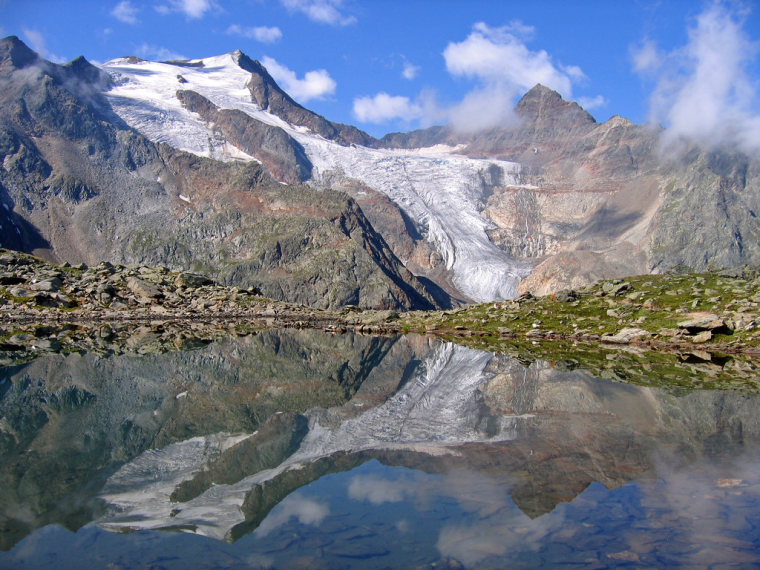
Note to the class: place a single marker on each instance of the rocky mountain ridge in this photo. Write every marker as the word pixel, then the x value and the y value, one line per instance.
pixel 558 201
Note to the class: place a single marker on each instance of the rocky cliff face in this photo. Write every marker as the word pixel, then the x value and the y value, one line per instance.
pixel 79 185
pixel 603 200
pixel 282 156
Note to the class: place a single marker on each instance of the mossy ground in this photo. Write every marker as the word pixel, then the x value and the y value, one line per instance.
pixel 571 332
pixel 654 303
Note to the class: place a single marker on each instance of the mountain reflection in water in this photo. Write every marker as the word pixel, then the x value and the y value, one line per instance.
pixel 303 449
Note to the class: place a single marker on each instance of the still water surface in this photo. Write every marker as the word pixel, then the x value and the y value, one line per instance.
pixel 299 449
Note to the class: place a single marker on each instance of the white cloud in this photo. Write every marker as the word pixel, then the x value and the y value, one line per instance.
pixel 589 103
pixel 307 511
pixel 646 57
pixel 125 12
pixel 704 91
pixel 193 9
pixel 322 11
pixel 156 53
pixel 263 34
pixel 38 43
pixel 314 85
pixel 497 56
pixel 503 65
pixel 383 108
pixel 410 71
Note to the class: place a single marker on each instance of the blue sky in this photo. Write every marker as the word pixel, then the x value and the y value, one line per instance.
pixel 404 64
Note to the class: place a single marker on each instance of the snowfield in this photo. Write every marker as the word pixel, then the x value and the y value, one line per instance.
pixel 442 192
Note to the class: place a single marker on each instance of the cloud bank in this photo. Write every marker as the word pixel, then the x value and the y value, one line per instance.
pixel 703 91
pixel 410 70
pixel 383 107
pixel 315 84
pixel 501 65
pixel 38 43
pixel 156 53
pixel 192 9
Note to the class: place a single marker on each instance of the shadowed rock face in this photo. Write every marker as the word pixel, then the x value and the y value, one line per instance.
pixel 280 154
pixel 79 185
pixel 14 54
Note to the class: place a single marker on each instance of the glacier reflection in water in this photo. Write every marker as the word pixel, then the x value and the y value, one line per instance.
pixel 301 449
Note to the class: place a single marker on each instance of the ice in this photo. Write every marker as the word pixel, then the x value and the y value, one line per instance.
pixel 442 192
pixel 444 195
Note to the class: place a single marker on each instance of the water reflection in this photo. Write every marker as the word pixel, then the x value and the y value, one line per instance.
pixel 301 449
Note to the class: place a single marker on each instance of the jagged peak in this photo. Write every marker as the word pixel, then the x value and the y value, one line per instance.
pixel 84 70
pixel 542 102
pixel 541 91
pixel 15 54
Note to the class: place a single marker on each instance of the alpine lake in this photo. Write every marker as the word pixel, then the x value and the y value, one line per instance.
pixel 306 449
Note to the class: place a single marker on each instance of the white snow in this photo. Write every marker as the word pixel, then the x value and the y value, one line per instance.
pixel 441 191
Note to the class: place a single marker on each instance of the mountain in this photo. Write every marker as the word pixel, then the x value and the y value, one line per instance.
pixel 80 184
pixel 209 165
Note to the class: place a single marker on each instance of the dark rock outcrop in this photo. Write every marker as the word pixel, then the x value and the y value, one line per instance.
pixel 282 155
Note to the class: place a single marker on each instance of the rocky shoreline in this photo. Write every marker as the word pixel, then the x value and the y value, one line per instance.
pixel 114 309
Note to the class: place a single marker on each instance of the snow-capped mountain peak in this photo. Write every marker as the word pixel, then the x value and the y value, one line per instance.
pixel 441 192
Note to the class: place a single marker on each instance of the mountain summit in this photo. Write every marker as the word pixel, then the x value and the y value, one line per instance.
pixel 542 106
pixel 14 54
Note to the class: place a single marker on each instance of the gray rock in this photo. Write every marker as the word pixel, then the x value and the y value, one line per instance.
pixel 192 280
pixel 143 289
pixel 625 336
pixel 48 285
pixel 704 322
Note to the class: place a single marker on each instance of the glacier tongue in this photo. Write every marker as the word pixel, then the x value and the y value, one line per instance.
pixel 441 192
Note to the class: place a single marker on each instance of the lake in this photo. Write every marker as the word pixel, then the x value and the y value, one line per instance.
pixel 302 449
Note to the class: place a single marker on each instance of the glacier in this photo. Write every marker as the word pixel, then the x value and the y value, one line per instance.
pixel 442 192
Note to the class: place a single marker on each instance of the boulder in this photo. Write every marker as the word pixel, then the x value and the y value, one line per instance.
pixel 143 289
pixel 625 336
pixel 51 285
pixel 698 322
pixel 192 280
